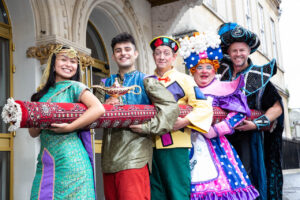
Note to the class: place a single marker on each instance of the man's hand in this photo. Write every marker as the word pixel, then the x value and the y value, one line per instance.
pixel 136 128
pixel 112 101
pixel 211 133
pixel 180 123
pixel 246 126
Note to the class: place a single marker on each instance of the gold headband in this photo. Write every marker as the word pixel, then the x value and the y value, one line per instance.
pixel 70 52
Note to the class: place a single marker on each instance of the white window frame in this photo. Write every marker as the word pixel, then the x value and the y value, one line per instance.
pixel 273 39
pixel 248 14
pixel 262 28
pixel 209 2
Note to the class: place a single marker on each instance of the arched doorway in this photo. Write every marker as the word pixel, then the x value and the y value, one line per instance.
pixel 111 19
pixel 106 20
pixel 100 68
pixel 93 75
pixel 6 138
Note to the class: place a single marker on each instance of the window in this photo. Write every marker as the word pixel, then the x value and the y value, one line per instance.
pixel 209 2
pixel 4 78
pixel 262 29
pixel 4 174
pixel 100 67
pixel 94 42
pixel 3 15
pixel 248 14
pixel 273 37
pixel 6 138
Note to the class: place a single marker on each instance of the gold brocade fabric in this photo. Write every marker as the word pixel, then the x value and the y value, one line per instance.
pixel 123 149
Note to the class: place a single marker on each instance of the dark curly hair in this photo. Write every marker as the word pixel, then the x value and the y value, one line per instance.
pixel 122 37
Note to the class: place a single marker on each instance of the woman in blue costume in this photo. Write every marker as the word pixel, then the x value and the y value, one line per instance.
pixel 216 170
pixel 64 169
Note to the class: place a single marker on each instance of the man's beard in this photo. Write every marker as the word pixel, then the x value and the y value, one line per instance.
pixel 242 65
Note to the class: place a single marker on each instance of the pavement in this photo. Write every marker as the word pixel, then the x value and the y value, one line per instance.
pixel 291 184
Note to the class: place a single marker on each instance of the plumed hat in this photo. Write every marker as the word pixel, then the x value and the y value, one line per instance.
pixel 164 40
pixel 201 48
pixel 232 32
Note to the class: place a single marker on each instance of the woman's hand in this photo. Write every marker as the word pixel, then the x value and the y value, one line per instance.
pixel 61 128
pixel 94 111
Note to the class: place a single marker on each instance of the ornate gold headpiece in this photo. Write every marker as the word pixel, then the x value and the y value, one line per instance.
pixel 69 51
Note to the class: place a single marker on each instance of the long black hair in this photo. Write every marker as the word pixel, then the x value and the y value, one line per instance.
pixel 52 76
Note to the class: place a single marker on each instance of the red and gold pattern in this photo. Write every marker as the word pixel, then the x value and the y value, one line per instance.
pixel 40 114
